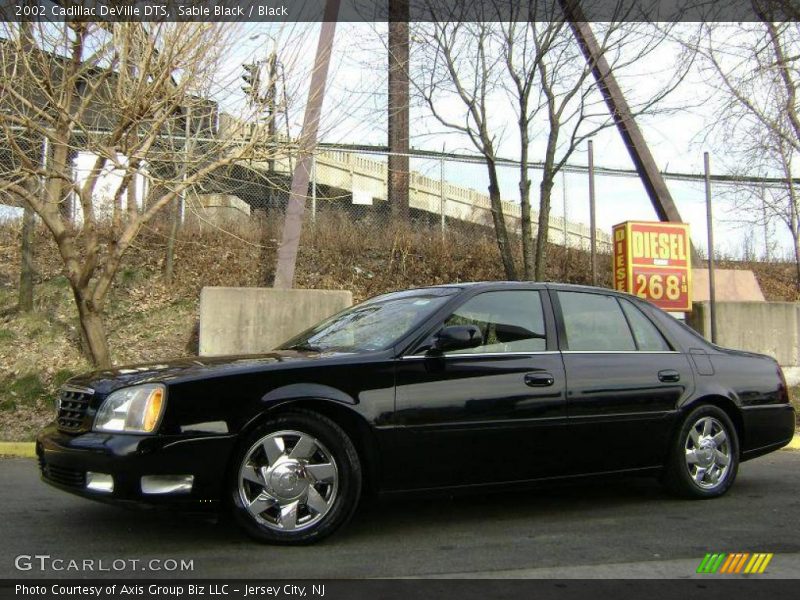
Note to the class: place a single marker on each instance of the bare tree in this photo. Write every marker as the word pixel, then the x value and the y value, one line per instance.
pixel 782 202
pixel 568 108
pixel 117 98
pixel 764 151
pixel 26 268
pixel 460 61
pixel 754 69
pixel 532 66
pixel 521 62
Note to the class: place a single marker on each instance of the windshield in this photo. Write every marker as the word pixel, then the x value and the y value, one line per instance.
pixel 374 325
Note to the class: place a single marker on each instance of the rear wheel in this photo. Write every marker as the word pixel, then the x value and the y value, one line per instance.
pixel 704 457
pixel 297 479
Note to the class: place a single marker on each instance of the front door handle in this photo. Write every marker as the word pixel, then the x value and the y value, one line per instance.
pixel 669 376
pixel 539 379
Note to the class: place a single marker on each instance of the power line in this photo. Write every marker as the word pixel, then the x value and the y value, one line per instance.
pixel 288 145
pixel 569 168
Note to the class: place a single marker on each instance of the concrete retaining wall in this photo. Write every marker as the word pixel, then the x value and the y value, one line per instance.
pixel 764 327
pixel 254 320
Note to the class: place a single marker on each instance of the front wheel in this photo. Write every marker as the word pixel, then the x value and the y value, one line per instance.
pixel 296 480
pixel 704 456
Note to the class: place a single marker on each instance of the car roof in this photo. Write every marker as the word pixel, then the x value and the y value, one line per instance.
pixel 527 284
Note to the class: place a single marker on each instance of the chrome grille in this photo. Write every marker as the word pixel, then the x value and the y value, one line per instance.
pixel 72 406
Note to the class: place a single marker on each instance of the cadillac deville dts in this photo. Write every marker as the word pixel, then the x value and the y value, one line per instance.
pixel 457 386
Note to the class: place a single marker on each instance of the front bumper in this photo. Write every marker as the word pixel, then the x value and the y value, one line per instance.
pixel 65 459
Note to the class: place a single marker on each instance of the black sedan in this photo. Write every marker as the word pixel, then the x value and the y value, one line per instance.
pixel 459 386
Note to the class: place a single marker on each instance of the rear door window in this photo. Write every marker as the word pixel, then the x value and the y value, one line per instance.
pixel 594 323
pixel 648 337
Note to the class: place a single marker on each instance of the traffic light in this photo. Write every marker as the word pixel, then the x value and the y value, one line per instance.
pixel 252 77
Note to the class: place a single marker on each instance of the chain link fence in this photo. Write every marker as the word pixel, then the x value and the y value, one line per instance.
pixel 444 194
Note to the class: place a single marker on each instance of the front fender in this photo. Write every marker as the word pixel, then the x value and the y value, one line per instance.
pixel 295 391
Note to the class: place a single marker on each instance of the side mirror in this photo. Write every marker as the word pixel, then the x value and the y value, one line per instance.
pixel 457 337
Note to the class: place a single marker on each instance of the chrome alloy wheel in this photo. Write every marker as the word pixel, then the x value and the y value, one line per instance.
pixel 288 481
pixel 708 453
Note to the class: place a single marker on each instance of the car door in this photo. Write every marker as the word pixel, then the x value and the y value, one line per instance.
pixel 624 382
pixel 487 414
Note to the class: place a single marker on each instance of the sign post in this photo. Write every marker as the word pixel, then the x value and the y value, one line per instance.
pixel 653 262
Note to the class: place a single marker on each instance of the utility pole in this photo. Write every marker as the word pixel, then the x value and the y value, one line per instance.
pixel 293 225
pixel 178 202
pixel 261 103
pixel 766 220
pixel 398 163
pixel 592 215
pixel 643 160
pixel 712 296
pixel 442 197
pixel 271 102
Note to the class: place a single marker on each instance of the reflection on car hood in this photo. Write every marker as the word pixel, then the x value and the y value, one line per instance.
pixel 108 380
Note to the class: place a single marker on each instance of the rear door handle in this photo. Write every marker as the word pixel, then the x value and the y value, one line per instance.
pixel 669 376
pixel 539 379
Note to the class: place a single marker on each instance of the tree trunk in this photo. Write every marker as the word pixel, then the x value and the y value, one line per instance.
pixel 501 232
pixel 25 301
pixel 169 258
pixel 133 205
pixel 93 331
pixel 525 207
pixel 545 191
pixel 65 198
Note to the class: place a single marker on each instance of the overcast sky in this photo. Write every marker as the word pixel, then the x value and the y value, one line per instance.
pixel 355 112
pixel 358 92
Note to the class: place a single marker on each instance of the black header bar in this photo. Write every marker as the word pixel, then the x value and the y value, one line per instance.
pixel 278 11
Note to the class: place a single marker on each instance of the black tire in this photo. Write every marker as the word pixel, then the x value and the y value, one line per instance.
pixel 281 494
pixel 708 477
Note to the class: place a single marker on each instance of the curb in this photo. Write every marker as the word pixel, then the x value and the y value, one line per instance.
pixel 28 449
pixel 18 449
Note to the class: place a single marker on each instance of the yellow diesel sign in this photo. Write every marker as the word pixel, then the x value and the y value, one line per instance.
pixel 652 261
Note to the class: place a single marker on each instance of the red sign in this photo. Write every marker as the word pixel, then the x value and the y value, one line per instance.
pixel 653 261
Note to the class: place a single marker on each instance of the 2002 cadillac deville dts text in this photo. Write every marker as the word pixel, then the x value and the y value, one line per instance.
pixel 452 386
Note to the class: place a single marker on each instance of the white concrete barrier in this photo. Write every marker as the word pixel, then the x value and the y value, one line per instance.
pixel 255 320
pixel 764 327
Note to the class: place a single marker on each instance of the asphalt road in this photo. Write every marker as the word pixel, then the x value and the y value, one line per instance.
pixel 619 528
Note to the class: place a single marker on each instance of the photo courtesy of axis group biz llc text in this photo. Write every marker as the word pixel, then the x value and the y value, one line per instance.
pixel 399 298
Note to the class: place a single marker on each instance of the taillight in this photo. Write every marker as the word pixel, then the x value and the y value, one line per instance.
pixel 784 391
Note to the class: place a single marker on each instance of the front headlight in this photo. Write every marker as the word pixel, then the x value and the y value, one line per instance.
pixel 135 409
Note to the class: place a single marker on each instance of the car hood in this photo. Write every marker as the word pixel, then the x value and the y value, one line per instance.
pixel 185 369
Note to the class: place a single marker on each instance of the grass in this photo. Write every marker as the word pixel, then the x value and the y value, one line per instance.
pixel 61 377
